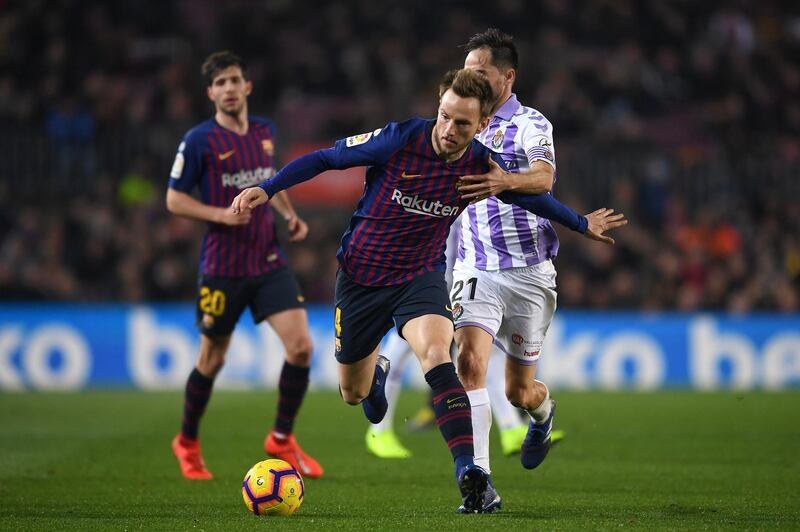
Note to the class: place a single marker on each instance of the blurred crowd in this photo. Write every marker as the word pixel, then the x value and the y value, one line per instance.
pixel 683 114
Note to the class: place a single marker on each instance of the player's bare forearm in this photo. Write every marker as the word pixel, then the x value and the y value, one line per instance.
pixel 479 187
pixel 537 180
pixel 183 204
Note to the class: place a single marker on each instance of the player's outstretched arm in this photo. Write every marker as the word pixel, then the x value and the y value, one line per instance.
pixel 546 206
pixel 301 169
pixel 602 220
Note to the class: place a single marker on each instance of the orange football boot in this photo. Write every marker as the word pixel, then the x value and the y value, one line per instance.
pixel 289 450
pixel 191 460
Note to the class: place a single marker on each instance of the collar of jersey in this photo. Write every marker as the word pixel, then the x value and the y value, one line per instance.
pixel 508 109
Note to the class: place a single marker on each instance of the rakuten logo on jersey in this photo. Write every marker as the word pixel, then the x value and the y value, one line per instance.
pixel 418 205
pixel 247 178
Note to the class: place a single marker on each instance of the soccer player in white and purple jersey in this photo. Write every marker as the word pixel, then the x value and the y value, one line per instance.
pixel 241 263
pixel 504 279
pixel 392 256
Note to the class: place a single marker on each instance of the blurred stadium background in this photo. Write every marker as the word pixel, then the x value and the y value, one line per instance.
pixel 683 114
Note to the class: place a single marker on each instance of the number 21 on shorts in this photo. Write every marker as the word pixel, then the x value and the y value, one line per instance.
pixel 458 286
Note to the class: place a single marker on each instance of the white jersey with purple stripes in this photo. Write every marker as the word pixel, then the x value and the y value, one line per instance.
pixel 498 236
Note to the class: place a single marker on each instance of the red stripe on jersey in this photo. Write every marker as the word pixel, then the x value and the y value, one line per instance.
pixel 268 244
pixel 252 251
pixel 240 250
pixel 390 245
pixel 248 251
pixel 225 231
pixel 212 262
pixel 373 241
pixel 242 246
pixel 220 230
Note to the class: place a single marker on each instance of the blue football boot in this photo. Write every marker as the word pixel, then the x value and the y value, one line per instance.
pixel 375 405
pixel 491 501
pixel 537 442
pixel 473 483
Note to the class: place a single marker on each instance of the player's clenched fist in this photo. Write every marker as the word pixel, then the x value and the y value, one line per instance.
pixel 249 199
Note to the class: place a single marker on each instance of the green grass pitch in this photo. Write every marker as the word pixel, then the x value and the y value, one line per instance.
pixel 668 460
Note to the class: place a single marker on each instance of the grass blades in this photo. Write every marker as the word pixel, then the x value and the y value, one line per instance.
pixel 670 460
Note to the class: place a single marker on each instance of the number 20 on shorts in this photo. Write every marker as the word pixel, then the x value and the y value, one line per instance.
pixel 212 301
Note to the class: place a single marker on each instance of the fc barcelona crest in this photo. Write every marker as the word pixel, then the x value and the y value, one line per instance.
pixel 268 147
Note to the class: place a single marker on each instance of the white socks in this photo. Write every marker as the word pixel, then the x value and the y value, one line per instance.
pixel 541 412
pixel 481 425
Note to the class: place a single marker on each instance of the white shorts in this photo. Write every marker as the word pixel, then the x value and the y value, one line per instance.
pixel 515 306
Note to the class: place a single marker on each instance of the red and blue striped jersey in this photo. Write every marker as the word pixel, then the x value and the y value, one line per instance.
pixel 399 229
pixel 221 163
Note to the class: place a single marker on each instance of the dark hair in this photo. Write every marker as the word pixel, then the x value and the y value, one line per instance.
pixel 468 84
pixel 218 61
pixel 500 45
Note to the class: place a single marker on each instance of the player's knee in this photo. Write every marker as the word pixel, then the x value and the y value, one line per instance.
pixel 212 354
pixel 211 364
pixel 298 352
pixel 435 356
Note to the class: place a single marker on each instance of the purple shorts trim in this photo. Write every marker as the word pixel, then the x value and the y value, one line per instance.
pixel 519 361
pixel 475 324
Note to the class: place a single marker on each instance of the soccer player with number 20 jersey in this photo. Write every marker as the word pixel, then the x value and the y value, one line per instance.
pixel 241 263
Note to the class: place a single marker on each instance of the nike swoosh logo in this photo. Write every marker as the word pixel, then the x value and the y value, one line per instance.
pixel 456 398
pixel 223 156
pixel 448 309
pixel 409 176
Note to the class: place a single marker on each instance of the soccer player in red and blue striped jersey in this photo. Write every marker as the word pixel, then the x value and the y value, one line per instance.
pixel 241 262
pixel 392 258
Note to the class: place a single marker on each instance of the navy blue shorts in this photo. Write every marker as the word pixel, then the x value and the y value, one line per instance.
pixel 221 300
pixel 364 314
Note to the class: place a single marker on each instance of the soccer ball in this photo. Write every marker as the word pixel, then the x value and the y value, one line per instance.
pixel 273 487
